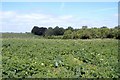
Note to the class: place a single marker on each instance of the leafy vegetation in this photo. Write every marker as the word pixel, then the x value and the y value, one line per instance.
pixel 55 58
pixel 83 33
pixel 20 35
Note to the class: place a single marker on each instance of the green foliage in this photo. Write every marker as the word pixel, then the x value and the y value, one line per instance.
pixel 53 37
pixel 36 58
pixel 70 28
pixel 83 33
pixel 84 27
pixel 38 30
pixel 20 35
pixel 89 33
pixel 49 32
pixel 117 33
pixel 104 32
pixel 58 31
pixel 95 33
pixel 67 34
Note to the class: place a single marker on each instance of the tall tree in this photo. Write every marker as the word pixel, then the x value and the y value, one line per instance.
pixel 38 31
pixel 49 32
pixel 58 31
pixel 70 28
pixel 84 27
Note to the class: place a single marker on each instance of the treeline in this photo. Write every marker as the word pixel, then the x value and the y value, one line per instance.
pixel 83 33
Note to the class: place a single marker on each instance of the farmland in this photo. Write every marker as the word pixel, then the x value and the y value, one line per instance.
pixel 33 57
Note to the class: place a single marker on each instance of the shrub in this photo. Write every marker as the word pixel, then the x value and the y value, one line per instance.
pixel 86 36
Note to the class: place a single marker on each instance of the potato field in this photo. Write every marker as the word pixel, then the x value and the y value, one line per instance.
pixel 59 58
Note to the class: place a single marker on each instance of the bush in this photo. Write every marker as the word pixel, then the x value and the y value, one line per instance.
pixel 85 36
pixel 68 36
pixel 54 37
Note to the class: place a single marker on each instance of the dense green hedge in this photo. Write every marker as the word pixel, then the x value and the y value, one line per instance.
pixel 83 33
pixel 92 33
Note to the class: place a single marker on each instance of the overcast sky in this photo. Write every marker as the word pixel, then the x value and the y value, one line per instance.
pixel 22 16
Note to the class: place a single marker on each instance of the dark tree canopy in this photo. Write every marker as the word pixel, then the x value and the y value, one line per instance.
pixel 58 31
pixel 38 31
pixel 69 28
pixel 104 27
pixel 84 27
pixel 49 32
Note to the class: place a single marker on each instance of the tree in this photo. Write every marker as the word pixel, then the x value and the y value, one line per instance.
pixel 95 32
pixel 58 31
pixel 117 33
pixel 38 31
pixel 111 34
pixel 117 27
pixel 75 35
pixel 104 27
pixel 61 31
pixel 49 32
pixel 84 27
pixel 67 34
pixel 85 34
pixel 70 28
pixel 104 32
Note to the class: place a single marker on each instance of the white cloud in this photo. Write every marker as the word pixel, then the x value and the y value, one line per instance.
pixel 33 16
pixel 7 14
pixel 19 22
